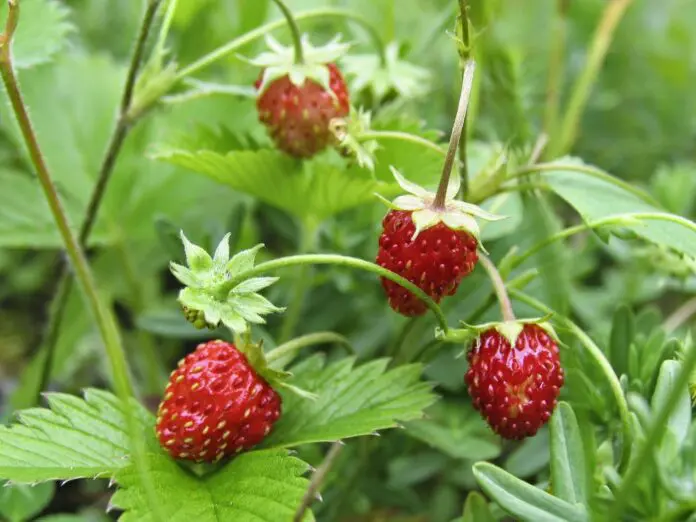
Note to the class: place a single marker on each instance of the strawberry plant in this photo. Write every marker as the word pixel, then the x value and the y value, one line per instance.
pixel 373 261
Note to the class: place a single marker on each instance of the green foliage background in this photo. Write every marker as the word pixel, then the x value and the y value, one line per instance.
pixel 639 125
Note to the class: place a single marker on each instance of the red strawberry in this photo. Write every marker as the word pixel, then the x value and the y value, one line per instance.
pixel 515 389
pixel 436 261
pixel 215 405
pixel 433 246
pixel 298 116
pixel 300 93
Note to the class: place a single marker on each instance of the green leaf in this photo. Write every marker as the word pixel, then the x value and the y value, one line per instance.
pixel 75 438
pixel 568 466
pixel 318 191
pixel 678 423
pixel 457 430
pixel 352 401
pixel 259 486
pixel 523 500
pixel 598 197
pixel 476 509
pixel 20 502
pixel 42 31
pixel 622 333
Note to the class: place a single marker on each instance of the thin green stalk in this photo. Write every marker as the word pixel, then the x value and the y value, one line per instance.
pixel 302 283
pixel 103 316
pixel 554 81
pixel 585 169
pixel 304 341
pixel 402 136
pixel 467 84
pixel 317 480
pixel 603 36
pixel 294 30
pixel 655 431
pixel 463 161
pixel 234 45
pixel 338 260
pixel 121 130
pixel 498 287
pixel 603 363
pixel 618 220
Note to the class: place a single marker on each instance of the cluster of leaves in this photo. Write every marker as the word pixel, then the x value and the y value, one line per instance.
pixel 630 246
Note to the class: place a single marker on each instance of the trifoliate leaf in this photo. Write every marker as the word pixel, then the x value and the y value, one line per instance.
pixel 42 32
pixel 75 438
pixel 310 190
pixel 259 486
pixel 368 72
pixel 351 401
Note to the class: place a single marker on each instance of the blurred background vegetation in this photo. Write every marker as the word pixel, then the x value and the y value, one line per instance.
pixel 639 124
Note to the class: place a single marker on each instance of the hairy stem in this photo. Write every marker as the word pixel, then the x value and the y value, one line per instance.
pixel 234 45
pixel 317 480
pixel 463 162
pixel 291 347
pixel 499 287
pixel 294 30
pixel 114 146
pixel 105 320
pixel 611 17
pixel 338 260
pixel 467 83
pixel 402 136
pixel 601 360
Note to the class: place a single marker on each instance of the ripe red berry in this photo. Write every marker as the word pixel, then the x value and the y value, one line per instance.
pixel 298 116
pixel 215 405
pixel 436 260
pixel 515 389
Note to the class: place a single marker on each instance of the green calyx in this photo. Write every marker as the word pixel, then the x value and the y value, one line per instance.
pixel 510 330
pixel 455 214
pixel 260 361
pixel 395 75
pixel 207 294
pixel 279 62
pixel 346 132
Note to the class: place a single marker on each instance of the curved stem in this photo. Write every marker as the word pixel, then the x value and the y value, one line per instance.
pixel 585 169
pixel 308 340
pixel 654 433
pixel 402 136
pixel 294 30
pixel 467 84
pixel 618 219
pixel 680 316
pixel 499 287
pixel 317 480
pixel 603 363
pixel 105 320
pixel 246 38
pixel 338 260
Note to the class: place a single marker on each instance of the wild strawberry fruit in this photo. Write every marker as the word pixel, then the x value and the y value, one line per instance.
pixel 515 376
pixel 432 246
pixel 297 101
pixel 215 405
